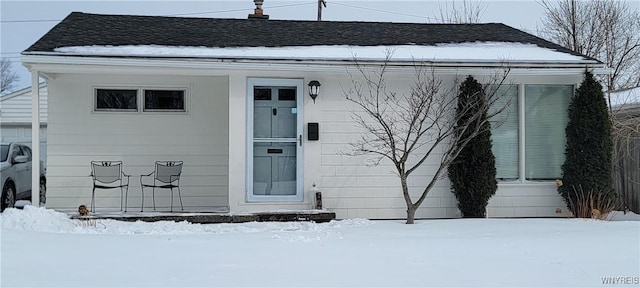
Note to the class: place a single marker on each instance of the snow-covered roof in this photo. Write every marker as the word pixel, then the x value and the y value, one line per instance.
pixel 625 97
pixel 82 34
pixel 453 52
pixel 626 103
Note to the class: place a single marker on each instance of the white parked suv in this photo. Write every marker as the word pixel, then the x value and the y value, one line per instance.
pixel 15 171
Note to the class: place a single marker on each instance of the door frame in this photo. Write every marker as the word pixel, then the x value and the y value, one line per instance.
pixel 290 82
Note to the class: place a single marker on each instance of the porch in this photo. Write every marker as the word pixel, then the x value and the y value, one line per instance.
pixel 318 216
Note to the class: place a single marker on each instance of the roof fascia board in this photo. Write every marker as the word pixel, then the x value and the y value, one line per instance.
pixel 20 92
pixel 215 67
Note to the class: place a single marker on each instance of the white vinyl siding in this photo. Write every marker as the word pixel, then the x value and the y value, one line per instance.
pixel 354 189
pixel 211 138
pixel 16 107
pixel 77 135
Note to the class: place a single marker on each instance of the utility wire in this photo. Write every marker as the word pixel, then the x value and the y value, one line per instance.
pixel 27 21
pixel 384 11
pixel 237 10
pixel 180 14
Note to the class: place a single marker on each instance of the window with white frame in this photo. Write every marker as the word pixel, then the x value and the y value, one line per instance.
pixel 164 100
pixel 128 99
pixel 116 100
pixel 529 134
pixel 504 133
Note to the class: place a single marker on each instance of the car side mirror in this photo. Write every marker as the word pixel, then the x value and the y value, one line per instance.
pixel 20 159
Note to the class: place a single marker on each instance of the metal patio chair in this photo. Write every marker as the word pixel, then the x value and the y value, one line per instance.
pixel 165 176
pixel 109 175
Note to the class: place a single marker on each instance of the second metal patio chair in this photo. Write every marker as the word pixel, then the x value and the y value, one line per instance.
pixel 109 175
pixel 166 176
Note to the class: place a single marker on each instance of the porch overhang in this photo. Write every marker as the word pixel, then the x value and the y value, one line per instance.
pixel 51 63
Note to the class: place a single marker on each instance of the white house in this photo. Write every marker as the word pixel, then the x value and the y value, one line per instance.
pixel 15 118
pixel 229 97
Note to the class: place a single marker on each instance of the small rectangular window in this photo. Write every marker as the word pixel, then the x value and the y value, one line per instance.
pixel 164 100
pixel 260 93
pixel 287 94
pixel 116 100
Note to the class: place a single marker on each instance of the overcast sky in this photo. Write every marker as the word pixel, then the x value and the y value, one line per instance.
pixel 24 22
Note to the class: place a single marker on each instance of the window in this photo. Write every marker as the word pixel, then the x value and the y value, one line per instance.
pixel 26 151
pixel 4 153
pixel 545 119
pixel 260 93
pixel 153 100
pixel 542 111
pixel 287 94
pixel 504 133
pixel 164 100
pixel 116 100
pixel 16 151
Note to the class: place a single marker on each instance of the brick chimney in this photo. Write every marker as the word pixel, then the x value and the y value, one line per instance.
pixel 257 13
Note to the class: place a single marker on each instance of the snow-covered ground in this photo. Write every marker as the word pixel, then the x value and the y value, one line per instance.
pixel 43 248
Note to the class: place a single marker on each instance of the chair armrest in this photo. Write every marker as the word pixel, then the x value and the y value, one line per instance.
pixel 126 175
pixel 144 176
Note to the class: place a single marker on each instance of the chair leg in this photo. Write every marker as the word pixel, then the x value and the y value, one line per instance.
pixel 154 197
pixel 171 209
pixel 142 205
pixel 121 192
pixel 93 200
pixel 180 197
pixel 126 198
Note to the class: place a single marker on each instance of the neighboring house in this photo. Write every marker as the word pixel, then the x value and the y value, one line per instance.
pixel 229 97
pixel 625 105
pixel 15 118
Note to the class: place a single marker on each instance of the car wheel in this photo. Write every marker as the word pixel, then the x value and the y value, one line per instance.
pixel 43 192
pixel 8 197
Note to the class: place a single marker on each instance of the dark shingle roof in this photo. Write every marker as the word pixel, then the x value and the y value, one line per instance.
pixel 82 29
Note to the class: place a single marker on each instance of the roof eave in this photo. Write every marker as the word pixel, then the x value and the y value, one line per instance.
pixel 30 59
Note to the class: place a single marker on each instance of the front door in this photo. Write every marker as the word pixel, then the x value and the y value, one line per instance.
pixel 275 138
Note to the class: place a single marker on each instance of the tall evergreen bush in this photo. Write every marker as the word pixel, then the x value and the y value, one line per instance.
pixel 473 172
pixel 587 167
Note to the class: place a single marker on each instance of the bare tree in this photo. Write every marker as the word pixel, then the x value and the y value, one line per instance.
pixel 608 30
pixel 461 11
pixel 409 129
pixel 8 76
pixel 625 117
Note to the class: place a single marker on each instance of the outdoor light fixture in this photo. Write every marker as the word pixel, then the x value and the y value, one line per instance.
pixel 314 89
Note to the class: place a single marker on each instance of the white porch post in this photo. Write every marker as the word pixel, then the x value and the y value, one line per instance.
pixel 35 138
pixel 521 137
